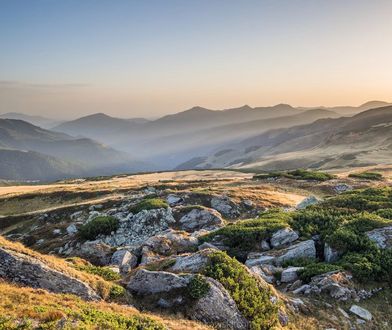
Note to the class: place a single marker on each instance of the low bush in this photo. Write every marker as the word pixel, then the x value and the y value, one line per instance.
pixel 245 235
pixel 198 287
pixel 149 204
pixel 296 175
pixel 252 300
pixel 366 176
pixel 316 268
pixel 102 225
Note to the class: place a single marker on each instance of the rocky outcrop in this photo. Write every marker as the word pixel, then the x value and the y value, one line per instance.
pixel 381 236
pixel 26 270
pixel 168 290
pixel 94 251
pixel 283 236
pixel 290 274
pixel 135 229
pixel 200 218
pixel 305 249
pixel 192 263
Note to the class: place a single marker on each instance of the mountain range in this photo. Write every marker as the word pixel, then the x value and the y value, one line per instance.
pixel 273 137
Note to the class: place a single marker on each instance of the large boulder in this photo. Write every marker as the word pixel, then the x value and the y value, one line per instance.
pixel 290 274
pixel 200 218
pixel 217 308
pixel 308 201
pixel 305 249
pixel 225 206
pixel 283 237
pixel 135 229
pixel 192 263
pixel 381 236
pixel 124 260
pixel 145 282
pixel 29 271
pixel 94 251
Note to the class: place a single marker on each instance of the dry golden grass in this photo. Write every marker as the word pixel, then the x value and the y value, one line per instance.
pixel 96 282
pixel 18 303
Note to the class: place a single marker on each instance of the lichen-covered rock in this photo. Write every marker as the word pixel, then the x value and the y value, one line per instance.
pixel 308 201
pixel 225 206
pixel 217 308
pixel 201 218
pixel 145 282
pixel 124 259
pixel 305 249
pixel 330 254
pixel 192 263
pixel 283 237
pixel 381 236
pixel 135 229
pixel 26 270
pixel 361 312
pixel 94 251
pixel 290 274
pixel 174 200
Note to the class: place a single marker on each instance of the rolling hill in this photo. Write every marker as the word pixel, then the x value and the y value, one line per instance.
pixel 361 140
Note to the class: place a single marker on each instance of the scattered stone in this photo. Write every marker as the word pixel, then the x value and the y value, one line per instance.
pixel 225 206
pixel 343 312
pixel 264 246
pixel 207 245
pixel 76 215
pixel 56 231
pixel 361 312
pixel 191 263
pixel 283 237
pixel 71 229
pixel 283 318
pixel 341 188
pixel 290 274
pixel 124 259
pixel 95 252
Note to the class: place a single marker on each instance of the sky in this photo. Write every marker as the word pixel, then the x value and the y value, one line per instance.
pixel 146 58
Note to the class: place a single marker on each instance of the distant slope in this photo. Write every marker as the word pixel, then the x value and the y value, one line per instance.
pixel 70 155
pixel 35 120
pixel 29 165
pixel 364 139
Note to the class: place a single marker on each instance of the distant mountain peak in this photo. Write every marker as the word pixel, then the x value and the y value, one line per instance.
pixel 374 104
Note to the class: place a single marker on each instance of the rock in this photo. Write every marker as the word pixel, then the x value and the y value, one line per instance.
pixel 341 188
pixel 259 271
pixel 76 215
pixel 171 242
pixel 283 237
pixel 290 274
pixel 283 318
pixel 149 257
pixel 29 271
pixel 145 282
pixel 191 263
pixel 71 229
pixel 95 252
pixel 381 236
pixel 56 231
pixel 135 229
pixel 201 218
pixel 305 249
pixel 95 207
pixel 217 308
pixel 308 201
pixel 302 289
pixel 173 200
pixel 225 206
pixel 336 284
pixel 361 312
pixel 343 312
pixel 124 259
pixel 330 254
pixel 207 245
pixel 248 203
pixel 264 245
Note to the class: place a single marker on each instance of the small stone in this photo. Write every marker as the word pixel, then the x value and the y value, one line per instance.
pixel 290 274
pixel 56 231
pixel 361 312
pixel 71 229
pixel 283 236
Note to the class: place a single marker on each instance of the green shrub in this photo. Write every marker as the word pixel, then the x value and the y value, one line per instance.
pixel 116 292
pixel 102 225
pixel 296 175
pixel 243 236
pixel 366 176
pixel 316 268
pixel 149 204
pixel 198 287
pixel 385 213
pixel 363 266
pixel 270 175
pixel 105 272
pixel 253 300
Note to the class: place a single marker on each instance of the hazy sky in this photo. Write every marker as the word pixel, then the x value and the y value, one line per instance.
pixel 146 58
